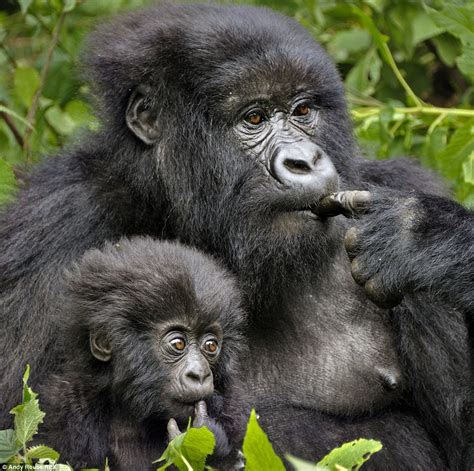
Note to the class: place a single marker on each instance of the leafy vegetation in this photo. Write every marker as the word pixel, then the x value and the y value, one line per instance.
pixel 187 452
pixel 408 67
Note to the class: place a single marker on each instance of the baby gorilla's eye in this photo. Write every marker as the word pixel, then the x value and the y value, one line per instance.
pixel 211 346
pixel 178 343
pixel 302 110
pixel 255 118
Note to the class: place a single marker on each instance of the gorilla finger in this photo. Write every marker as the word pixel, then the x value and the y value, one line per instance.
pixel 173 429
pixel 200 414
pixel 358 272
pixel 352 242
pixel 380 296
pixel 349 203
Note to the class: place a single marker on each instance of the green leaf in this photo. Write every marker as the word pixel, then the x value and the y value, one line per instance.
pixel 344 44
pixel 466 61
pixel 69 5
pixel 380 39
pixel 424 27
pixel 351 455
pixel 468 169
pixel 456 19
pixel 60 120
pixel 8 445
pixel 364 76
pixel 7 182
pixel 26 81
pixel 28 416
pixel 257 449
pixel 24 5
pixel 42 452
pixel 189 451
pixel 302 465
pixel 448 47
pixel 460 146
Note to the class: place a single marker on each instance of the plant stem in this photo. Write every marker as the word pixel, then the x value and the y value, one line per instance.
pixel 31 117
pixel 434 110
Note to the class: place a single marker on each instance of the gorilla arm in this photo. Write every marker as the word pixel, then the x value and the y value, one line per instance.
pixel 407 244
pixel 417 251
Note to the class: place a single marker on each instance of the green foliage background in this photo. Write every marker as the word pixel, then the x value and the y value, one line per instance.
pixel 408 66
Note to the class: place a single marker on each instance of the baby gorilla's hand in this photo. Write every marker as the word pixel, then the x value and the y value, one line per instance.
pixel 202 419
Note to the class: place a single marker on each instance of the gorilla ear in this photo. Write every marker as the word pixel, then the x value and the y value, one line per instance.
pixel 140 116
pixel 100 346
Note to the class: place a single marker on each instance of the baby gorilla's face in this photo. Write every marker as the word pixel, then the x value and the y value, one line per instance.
pixel 188 355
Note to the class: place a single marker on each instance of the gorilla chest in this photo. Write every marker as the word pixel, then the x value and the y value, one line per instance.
pixel 333 352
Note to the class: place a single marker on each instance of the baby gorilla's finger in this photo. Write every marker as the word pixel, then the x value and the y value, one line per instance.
pixel 200 414
pixel 349 203
pixel 173 429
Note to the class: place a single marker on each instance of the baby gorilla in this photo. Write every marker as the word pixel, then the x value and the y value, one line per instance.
pixel 150 330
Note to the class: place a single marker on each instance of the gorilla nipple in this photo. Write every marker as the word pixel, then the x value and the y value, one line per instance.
pixel 390 378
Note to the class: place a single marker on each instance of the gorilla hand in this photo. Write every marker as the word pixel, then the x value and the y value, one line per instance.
pixel 202 419
pixel 402 243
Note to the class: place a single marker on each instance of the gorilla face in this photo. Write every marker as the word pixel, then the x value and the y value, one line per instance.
pixel 237 124
pixel 281 137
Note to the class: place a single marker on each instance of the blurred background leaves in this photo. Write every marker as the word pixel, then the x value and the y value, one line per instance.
pixel 408 67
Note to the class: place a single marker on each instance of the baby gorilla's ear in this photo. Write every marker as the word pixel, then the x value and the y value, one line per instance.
pixel 100 346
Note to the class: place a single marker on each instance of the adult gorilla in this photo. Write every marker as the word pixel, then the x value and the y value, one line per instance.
pixel 225 127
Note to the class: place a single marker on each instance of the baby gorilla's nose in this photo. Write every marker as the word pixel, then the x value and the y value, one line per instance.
pixel 197 379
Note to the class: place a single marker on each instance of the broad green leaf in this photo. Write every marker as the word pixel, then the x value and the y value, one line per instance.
pixel 69 5
pixel 380 39
pixel 26 81
pixel 7 182
pixel 364 76
pixel 351 455
pixel 448 47
pixel 302 465
pixel 42 452
pixel 344 44
pixel 28 416
pixel 466 61
pixel 28 394
pixel 78 111
pixel 468 169
pixel 60 120
pixel 456 19
pixel 189 451
pixel 8 445
pixel 24 5
pixel 424 27
pixel 257 449
pixel 460 146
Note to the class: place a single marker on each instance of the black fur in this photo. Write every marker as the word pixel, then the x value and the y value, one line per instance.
pixel 133 292
pixel 309 319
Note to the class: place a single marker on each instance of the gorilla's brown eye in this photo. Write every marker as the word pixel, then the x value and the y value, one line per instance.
pixel 211 346
pixel 178 343
pixel 302 110
pixel 254 118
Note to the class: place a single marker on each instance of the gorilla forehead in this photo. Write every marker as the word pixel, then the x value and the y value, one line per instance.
pixel 188 47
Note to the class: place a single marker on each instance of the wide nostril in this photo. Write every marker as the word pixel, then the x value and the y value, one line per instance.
pixel 198 377
pixel 297 166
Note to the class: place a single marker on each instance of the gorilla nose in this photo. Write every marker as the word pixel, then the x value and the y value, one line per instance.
pixel 296 164
pixel 198 382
